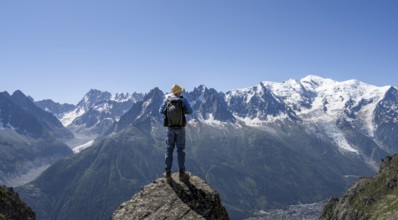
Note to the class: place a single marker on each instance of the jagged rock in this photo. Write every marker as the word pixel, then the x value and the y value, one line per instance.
pixel 173 199
pixel 11 207
pixel 368 198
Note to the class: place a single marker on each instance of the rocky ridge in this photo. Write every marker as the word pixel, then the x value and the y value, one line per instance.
pixel 173 199
pixel 11 207
pixel 369 198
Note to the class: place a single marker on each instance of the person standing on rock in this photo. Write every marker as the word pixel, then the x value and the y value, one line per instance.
pixel 174 109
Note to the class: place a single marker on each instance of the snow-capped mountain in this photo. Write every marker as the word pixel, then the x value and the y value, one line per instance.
pixel 100 101
pixel 325 108
pixel 386 120
pixel 209 105
pixel 351 100
pixel 320 104
pixel 145 110
pixel 257 105
pixel 311 98
pixel 308 139
pixel 96 112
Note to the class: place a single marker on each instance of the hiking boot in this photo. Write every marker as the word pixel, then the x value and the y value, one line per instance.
pixel 183 176
pixel 167 174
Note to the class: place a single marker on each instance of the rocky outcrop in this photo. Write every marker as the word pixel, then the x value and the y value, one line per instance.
pixel 11 207
pixel 369 198
pixel 174 199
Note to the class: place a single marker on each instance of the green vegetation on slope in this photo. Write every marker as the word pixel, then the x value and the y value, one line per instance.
pixel 369 198
pixel 11 207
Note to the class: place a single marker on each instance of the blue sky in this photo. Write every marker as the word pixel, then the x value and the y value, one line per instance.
pixel 61 49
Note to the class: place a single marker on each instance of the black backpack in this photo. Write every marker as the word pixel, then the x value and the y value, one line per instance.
pixel 175 115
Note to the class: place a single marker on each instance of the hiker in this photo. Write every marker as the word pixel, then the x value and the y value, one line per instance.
pixel 174 109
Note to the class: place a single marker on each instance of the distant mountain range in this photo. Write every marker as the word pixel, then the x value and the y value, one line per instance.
pixel 94 114
pixel 268 146
pixel 29 139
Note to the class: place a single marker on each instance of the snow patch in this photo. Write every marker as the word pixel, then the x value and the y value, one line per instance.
pixel 121 97
pixel 79 148
pixel 105 107
pixel 253 122
pixel 68 118
pixel 326 127
pixel 210 120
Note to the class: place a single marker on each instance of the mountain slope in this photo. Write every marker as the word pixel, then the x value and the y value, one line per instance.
pixel 55 108
pixel 22 158
pixel 257 169
pixel 11 207
pixel 107 173
pixel 143 113
pixel 133 157
pixel 386 121
pixel 28 139
pixel 46 119
pixel 369 198
pixel 12 116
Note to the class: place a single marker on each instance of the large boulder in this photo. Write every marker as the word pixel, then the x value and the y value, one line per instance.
pixel 174 199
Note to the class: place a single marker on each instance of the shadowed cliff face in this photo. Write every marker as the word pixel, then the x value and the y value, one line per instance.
pixel 174 199
pixel 369 198
pixel 11 207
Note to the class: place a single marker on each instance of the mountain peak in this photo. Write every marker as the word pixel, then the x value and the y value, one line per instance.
pixel 95 93
pixel 5 95
pixel 19 93
pixel 154 92
pixel 120 96
pixel 154 96
pixel 314 78
pixel 93 97
pixel 201 88
pixel 174 199
pixel 390 89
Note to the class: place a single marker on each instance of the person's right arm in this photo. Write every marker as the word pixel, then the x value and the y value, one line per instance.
pixel 187 106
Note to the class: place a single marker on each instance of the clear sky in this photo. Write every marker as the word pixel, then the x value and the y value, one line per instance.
pixel 60 49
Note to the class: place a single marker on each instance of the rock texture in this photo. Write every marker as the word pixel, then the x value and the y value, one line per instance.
pixel 369 198
pixel 11 207
pixel 174 199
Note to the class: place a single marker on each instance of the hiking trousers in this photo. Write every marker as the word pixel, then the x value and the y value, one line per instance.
pixel 175 137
